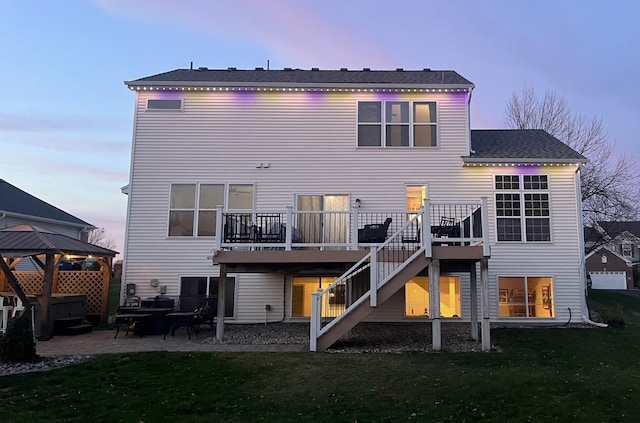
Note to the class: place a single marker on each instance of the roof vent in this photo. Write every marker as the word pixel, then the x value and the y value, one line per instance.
pixel 399 70
pixel 344 69
pixel 315 69
pixel 366 69
pixel 232 69
pixel 426 70
pixel 259 69
pixel 203 68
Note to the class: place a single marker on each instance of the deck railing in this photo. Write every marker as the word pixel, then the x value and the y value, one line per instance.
pixel 458 223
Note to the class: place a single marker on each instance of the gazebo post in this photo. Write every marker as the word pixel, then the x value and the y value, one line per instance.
pixel 45 302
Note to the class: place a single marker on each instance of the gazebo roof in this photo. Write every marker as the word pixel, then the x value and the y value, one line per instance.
pixel 28 240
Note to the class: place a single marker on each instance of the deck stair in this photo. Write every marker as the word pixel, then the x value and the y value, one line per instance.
pixel 70 326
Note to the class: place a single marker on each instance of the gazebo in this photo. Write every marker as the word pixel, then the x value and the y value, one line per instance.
pixel 46 249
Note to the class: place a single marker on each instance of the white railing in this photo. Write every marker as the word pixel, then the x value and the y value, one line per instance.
pixel 290 230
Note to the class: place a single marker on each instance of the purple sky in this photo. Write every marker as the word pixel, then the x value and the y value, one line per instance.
pixel 66 116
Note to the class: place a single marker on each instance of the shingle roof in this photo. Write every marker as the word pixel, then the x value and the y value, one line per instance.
pixel 300 77
pixel 533 145
pixel 25 240
pixel 615 228
pixel 14 200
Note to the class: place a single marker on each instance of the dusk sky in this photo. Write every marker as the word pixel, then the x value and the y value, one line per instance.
pixel 66 117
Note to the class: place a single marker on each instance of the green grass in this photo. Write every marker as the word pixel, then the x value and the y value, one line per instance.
pixel 559 374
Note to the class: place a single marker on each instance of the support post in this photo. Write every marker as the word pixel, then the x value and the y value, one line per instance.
pixel 221 302
pixel 373 272
pixel 473 287
pixel 434 303
pixel 315 319
pixel 486 317
pixel 45 299
pixel 426 229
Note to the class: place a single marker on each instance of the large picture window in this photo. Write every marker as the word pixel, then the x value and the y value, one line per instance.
pixel 417 297
pixel 522 208
pixel 526 296
pixel 301 295
pixel 195 214
pixel 397 124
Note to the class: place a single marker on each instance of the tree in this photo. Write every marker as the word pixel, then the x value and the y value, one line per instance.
pixel 609 181
pixel 99 237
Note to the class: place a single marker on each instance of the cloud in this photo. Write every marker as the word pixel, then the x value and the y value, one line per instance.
pixel 297 33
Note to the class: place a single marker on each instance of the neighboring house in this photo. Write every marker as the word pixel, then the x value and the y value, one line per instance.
pixel 609 270
pixel 302 189
pixel 621 238
pixel 18 207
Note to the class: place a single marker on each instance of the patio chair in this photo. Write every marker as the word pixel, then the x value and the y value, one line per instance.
pixel 375 233
pixel 206 312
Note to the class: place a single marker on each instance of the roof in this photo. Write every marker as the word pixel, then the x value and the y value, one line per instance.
pixel 615 228
pixel 610 251
pixel 305 78
pixel 519 145
pixel 15 201
pixel 26 240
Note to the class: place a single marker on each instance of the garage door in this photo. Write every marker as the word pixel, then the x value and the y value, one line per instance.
pixel 608 280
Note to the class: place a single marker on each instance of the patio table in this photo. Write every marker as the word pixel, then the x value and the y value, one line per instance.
pixel 133 321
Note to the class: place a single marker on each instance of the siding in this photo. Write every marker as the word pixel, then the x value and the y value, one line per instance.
pixel 309 139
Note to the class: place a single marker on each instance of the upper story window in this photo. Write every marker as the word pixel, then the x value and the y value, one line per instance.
pixel 164 104
pixel 191 214
pixel 627 249
pixel 522 208
pixel 397 124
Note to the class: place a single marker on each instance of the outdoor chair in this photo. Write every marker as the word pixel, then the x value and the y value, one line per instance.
pixel 375 233
pixel 206 312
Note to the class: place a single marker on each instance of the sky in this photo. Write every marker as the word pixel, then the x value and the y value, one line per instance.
pixel 66 117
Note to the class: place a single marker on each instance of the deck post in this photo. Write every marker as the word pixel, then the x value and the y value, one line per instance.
pixel 434 300
pixel 473 286
pixel 221 302
pixel 486 248
pixel 486 317
pixel 354 229
pixel 315 319
pixel 426 228
pixel 373 272
pixel 219 227
pixel 289 232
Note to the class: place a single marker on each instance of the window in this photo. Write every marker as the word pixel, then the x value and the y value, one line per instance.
pixel 195 289
pixel 627 249
pixel 522 208
pixel 164 104
pixel 301 295
pixel 406 124
pixel 525 296
pixel 415 196
pixel 188 211
pixel 417 297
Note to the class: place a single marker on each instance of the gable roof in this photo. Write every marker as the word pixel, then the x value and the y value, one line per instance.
pixel 24 240
pixel 599 250
pixel 615 228
pixel 204 77
pixel 17 202
pixel 534 146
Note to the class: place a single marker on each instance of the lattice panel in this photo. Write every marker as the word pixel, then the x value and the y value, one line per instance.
pixel 88 283
pixel 30 281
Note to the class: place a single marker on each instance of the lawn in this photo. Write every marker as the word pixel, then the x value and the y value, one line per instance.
pixel 560 374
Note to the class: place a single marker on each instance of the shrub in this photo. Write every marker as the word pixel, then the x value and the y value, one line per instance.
pixel 17 344
pixel 615 322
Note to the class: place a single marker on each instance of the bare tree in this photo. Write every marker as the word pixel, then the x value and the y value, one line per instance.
pixel 609 181
pixel 99 237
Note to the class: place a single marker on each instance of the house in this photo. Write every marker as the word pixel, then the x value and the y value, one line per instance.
pixel 339 196
pixel 18 207
pixel 616 252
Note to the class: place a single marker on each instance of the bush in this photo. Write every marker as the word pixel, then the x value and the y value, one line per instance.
pixel 615 322
pixel 17 344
